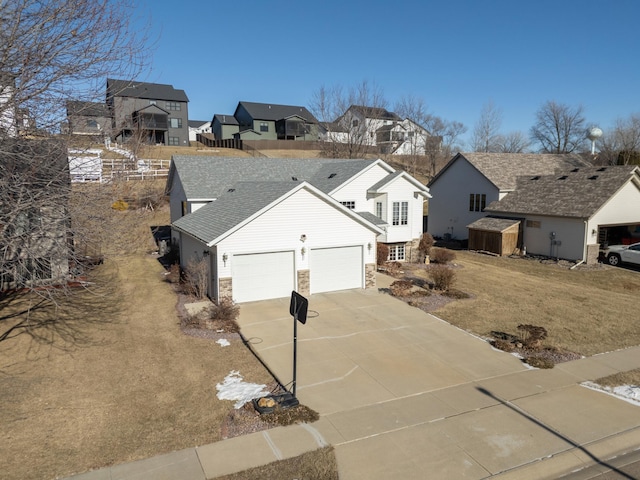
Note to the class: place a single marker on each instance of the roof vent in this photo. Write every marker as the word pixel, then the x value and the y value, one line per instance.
pixel 537 177
pixel 601 169
pixel 575 170
pixel 593 177
pixel 563 177
pixel 231 190
pixel 295 179
pixel 332 175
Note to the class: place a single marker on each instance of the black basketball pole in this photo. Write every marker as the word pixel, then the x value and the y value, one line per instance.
pixel 295 349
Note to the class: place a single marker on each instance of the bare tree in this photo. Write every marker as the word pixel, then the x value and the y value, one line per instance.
pixel 439 152
pixel 559 128
pixel 343 113
pixel 54 51
pixel 50 52
pixel 621 145
pixel 486 132
pixel 514 142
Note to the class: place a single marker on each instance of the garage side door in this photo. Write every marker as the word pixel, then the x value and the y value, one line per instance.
pixel 334 269
pixel 260 276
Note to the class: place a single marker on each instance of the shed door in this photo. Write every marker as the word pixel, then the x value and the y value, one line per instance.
pixel 260 276
pixel 334 269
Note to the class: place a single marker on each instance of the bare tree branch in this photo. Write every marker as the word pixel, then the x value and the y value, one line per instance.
pixel 559 128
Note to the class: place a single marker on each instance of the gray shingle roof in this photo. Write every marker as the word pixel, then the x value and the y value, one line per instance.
pixel 370 217
pixel 154 91
pixel 233 207
pixel 376 112
pixel 579 193
pixel 266 111
pixel 209 177
pixel 502 169
pixel 87 109
pixel 225 119
pixel 493 224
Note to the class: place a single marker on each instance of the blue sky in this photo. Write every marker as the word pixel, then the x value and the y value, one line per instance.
pixel 455 55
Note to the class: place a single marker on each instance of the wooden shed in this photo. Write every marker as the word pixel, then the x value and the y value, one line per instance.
pixel 502 236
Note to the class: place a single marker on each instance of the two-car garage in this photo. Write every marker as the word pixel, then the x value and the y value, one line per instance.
pixel 259 276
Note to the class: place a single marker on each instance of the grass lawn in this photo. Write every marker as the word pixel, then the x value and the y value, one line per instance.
pixel 588 311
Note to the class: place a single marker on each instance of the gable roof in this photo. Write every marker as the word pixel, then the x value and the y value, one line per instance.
pixel 197 123
pixel 206 178
pixel 243 202
pixel 502 169
pixel 375 112
pixel 266 111
pixel 225 119
pixel 87 109
pixel 577 193
pixel 422 189
pixel 154 91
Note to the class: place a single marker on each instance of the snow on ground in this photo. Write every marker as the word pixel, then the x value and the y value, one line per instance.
pixel 234 388
pixel 223 342
pixel 630 393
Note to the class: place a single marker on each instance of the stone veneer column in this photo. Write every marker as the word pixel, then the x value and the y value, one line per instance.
pixel 370 275
pixel 303 283
pixel 593 252
pixel 411 250
pixel 226 288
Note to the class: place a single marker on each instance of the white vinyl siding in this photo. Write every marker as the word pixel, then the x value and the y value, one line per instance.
pixel 260 276
pixel 333 269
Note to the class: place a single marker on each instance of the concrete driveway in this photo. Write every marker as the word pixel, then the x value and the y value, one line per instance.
pixel 403 394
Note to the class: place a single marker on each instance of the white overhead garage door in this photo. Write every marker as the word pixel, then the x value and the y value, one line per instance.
pixel 260 276
pixel 334 269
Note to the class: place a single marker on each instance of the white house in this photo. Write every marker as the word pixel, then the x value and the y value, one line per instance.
pixel 471 181
pixel 378 127
pixel 196 127
pixel 269 226
pixel 566 214
pixel 7 106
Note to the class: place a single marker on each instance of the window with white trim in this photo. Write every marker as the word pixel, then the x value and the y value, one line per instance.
pixel 379 209
pixel 396 252
pixel 400 213
pixel 351 205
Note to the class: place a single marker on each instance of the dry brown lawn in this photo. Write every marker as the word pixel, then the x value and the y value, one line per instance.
pixel 586 310
pixel 113 379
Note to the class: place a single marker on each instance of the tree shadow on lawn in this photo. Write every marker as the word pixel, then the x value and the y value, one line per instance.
pixel 63 318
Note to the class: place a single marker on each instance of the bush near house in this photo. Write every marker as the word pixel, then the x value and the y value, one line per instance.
pixel 442 276
pixel 441 255
pixel 426 242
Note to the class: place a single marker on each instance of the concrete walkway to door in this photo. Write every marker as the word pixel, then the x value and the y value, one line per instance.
pixel 403 394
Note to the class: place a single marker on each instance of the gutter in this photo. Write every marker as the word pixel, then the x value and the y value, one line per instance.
pixel 584 247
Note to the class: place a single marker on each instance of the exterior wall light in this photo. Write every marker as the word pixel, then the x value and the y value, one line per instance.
pixel 369 246
pixel 303 238
pixel 303 251
pixel 225 257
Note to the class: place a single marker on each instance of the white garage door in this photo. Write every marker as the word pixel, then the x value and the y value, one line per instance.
pixel 334 269
pixel 259 276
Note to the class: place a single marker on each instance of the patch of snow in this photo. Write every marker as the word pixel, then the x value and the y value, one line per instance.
pixel 629 393
pixel 223 342
pixel 234 388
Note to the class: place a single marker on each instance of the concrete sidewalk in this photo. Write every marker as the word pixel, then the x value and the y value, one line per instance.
pixel 403 394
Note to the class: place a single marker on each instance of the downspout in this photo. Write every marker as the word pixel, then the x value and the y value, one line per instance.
pixel 584 247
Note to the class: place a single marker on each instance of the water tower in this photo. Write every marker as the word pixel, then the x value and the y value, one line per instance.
pixel 593 134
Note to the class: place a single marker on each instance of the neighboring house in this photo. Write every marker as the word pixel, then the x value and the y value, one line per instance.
pixel 34 233
pixel 471 181
pixel 270 226
pixel 197 127
pixel 89 118
pixel 148 112
pixel 263 121
pixel 564 215
pixel 378 127
pixel 224 127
